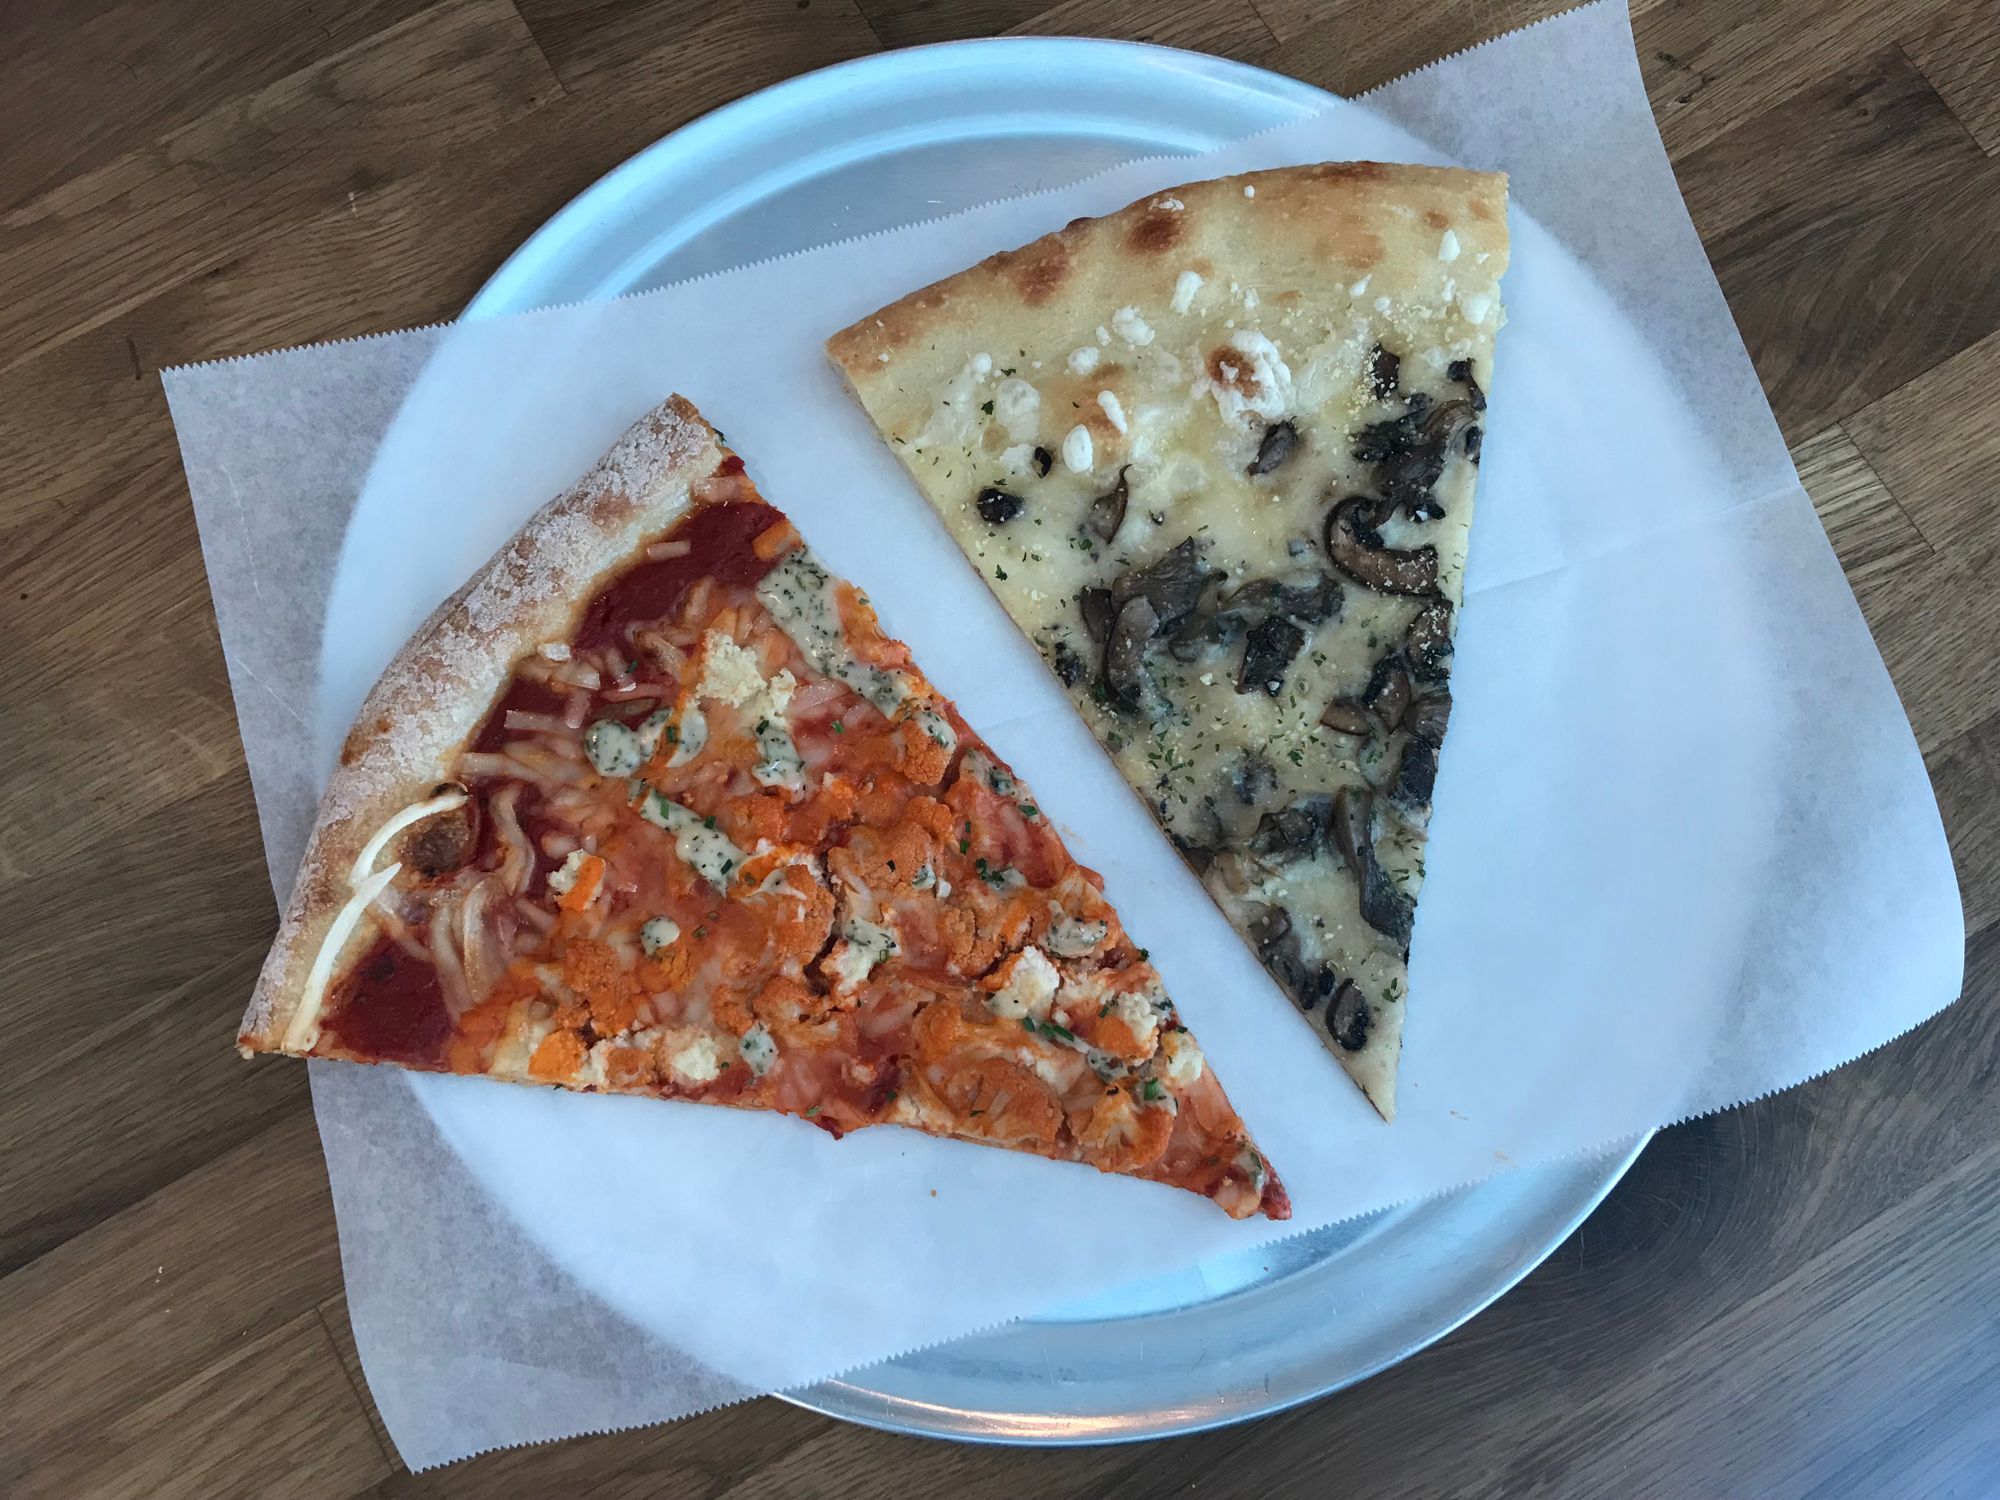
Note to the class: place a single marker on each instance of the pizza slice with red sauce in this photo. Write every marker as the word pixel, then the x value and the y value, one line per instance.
pixel 654 806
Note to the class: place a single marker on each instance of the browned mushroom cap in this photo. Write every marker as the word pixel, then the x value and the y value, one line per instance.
pixel 997 506
pixel 1270 931
pixel 1172 583
pixel 1428 715
pixel 1416 773
pixel 1384 370
pixel 1291 832
pixel 444 841
pixel 1125 652
pixel 1267 655
pixel 1348 1018
pixel 1099 611
pixel 1281 440
pixel 1345 716
pixel 1388 690
pixel 1357 550
pixel 1107 511
pixel 1407 478
pixel 1383 906
pixel 1427 642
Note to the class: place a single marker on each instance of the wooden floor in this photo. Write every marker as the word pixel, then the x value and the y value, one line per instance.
pixel 1797 1298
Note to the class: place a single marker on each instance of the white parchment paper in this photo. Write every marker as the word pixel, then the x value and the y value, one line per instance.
pixel 1684 851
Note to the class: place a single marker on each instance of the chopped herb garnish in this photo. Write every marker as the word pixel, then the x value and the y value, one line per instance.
pixel 1057 1033
pixel 1154 1089
pixel 708 822
pixel 838 727
pixel 999 572
pixel 1028 809
pixel 1028 1023
pixel 813 1111
pixel 987 407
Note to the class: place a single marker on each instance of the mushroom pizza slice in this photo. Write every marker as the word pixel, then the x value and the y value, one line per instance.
pixel 654 806
pixel 1215 453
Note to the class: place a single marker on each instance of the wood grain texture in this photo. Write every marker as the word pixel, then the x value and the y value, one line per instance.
pixel 1791 1299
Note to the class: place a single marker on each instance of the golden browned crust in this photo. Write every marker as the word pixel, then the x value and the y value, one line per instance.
pixel 440 686
pixel 1334 222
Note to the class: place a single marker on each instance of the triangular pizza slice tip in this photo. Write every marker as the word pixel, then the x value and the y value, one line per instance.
pixel 653 805
pixel 1215 453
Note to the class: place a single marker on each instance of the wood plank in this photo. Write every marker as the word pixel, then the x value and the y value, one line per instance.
pixel 606 46
pixel 1959 52
pixel 1967 781
pixel 95 1330
pixel 100 1117
pixel 1224 28
pixel 1936 457
pixel 147 65
pixel 916 23
pixel 1359 46
pixel 273 1417
pixel 79 255
pixel 1877 543
pixel 1850 227
pixel 1709 64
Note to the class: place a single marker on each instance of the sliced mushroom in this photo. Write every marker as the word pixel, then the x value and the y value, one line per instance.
pixel 1427 642
pixel 1384 371
pixel 1042 462
pixel 1310 601
pixel 1267 655
pixel 1388 690
pixel 1198 856
pixel 1474 440
pixel 1107 511
pixel 997 506
pixel 1099 612
pixel 1356 548
pixel 1416 773
pixel 1459 372
pixel 1290 833
pixel 1345 716
pixel 1172 584
pixel 1383 906
pixel 1069 667
pixel 1407 479
pixel 1278 947
pixel 1427 716
pixel 1281 439
pixel 1348 1018
pixel 1125 652
pixel 1394 436
pixel 1254 779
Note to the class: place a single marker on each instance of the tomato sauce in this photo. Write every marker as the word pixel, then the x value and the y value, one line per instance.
pixel 719 539
pixel 390 1007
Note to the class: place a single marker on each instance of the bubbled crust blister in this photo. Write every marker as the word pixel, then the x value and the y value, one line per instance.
pixel 434 694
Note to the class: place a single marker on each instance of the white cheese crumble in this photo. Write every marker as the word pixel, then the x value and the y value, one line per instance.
pixel 1030 987
pixel 1263 386
pixel 1113 409
pixel 729 672
pixel 656 933
pixel 1017 406
pixel 1249 189
pixel 1019 460
pixel 1139 1016
pixel 1382 304
pixel 1476 307
pixel 1360 288
pixel 554 650
pixel 562 879
pixel 700 1061
pixel 1070 938
pixel 758 1050
pixel 1448 246
pixel 1082 360
pixel 1132 328
pixel 1185 286
pixel 1182 1059
pixel 1172 203
pixel 1076 450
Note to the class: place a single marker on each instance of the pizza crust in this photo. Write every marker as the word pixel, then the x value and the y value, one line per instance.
pixel 1334 222
pixel 438 689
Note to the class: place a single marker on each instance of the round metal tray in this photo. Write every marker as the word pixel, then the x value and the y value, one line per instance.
pixel 892 140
